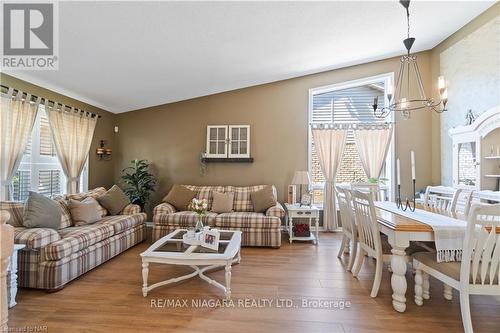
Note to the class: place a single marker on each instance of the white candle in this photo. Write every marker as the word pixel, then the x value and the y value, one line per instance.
pixel 412 154
pixel 398 171
pixel 441 82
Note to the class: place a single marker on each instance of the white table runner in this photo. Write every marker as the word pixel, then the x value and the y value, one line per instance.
pixel 449 233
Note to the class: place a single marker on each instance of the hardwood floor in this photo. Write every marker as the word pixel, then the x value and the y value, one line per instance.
pixel 109 298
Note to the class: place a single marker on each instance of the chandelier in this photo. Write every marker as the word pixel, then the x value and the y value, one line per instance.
pixel 408 81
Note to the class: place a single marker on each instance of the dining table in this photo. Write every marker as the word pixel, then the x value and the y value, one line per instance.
pixel 400 231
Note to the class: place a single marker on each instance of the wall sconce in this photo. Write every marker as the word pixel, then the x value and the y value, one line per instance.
pixel 102 152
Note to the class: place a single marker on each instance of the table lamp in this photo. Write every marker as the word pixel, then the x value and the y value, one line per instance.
pixel 301 178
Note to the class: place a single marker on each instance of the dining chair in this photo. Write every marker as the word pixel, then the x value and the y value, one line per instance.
pixel 349 230
pixel 370 241
pixel 479 271
pixel 461 202
pixel 440 197
pixel 372 189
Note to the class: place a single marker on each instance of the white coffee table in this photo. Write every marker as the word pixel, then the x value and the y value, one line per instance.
pixel 171 250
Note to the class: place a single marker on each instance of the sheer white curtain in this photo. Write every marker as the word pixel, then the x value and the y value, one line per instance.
pixel 372 142
pixel 72 133
pixel 329 142
pixel 17 116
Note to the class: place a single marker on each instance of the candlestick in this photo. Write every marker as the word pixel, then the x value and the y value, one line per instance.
pixel 398 171
pixel 412 156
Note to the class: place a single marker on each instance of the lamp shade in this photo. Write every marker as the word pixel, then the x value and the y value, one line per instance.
pixel 301 178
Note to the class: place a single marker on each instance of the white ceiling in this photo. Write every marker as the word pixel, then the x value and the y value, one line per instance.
pixel 123 56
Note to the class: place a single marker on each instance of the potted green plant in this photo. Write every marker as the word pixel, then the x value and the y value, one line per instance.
pixel 139 182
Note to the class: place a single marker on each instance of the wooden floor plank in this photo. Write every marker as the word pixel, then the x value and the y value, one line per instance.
pixel 109 298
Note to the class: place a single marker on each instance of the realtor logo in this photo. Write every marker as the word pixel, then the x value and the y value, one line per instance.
pixel 29 36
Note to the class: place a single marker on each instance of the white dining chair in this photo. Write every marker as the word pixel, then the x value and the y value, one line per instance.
pixel 440 197
pixel 372 189
pixel 479 271
pixel 349 230
pixel 461 202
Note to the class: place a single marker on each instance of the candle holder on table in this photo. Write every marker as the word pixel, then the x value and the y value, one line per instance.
pixel 409 203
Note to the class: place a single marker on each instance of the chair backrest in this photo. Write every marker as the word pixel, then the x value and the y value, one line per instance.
pixel 440 197
pixel 371 189
pixel 346 212
pixel 481 252
pixel 461 202
pixel 366 223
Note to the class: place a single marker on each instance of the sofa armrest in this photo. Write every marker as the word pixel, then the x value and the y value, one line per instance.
pixel 131 209
pixel 277 211
pixel 164 208
pixel 35 238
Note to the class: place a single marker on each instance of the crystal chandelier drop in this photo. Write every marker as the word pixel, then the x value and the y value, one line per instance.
pixel 407 80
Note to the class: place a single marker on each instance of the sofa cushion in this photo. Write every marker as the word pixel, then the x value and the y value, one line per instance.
pixel 114 200
pixel 66 220
pixel 95 193
pixel 41 212
pixel 263 199
pixel 74 239
pixel 35 238
pixel 15 208
pixel 85 211
pixel 123 222
pixel 246 220
pixel 223 202
pixel 179 197
pixel 242 200
pixel 206 192
pixel 184 219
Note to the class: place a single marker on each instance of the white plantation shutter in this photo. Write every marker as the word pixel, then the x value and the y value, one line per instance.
pixel 47 147
pixel 49 182
pixel 21 185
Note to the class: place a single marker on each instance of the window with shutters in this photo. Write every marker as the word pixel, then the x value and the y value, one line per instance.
pixel 40 170
pixel 345 103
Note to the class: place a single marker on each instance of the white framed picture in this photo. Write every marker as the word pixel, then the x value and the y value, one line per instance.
pixel 306 200
pixel 210 239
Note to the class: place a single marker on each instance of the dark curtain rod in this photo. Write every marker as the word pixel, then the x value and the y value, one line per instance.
pixel 34 98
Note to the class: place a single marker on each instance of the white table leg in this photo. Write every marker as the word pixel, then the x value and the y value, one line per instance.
pixel 290 229
pixel 228 280
pixel 317 230
pixel 13 279
pixel 398 278
pixel 145 272
pixel 419 291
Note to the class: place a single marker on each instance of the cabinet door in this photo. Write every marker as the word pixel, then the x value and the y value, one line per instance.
pixel 239 141
pixel 216 141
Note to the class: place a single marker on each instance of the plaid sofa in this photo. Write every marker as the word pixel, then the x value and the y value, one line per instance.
pixel 258 229
pixel 53 258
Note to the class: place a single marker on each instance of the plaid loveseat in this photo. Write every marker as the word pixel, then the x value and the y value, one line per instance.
pixel 258 229
pixel 53 258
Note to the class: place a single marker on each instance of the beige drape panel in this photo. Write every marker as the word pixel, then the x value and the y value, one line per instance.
pixel 372 142
pixel 17 116
pixel 72 133
pixel 329 142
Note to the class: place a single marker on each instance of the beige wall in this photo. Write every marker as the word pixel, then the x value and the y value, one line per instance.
pixel 172 136
pixel 470 60
pixel 101 173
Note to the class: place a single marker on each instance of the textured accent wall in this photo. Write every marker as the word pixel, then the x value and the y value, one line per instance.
pixel 472 67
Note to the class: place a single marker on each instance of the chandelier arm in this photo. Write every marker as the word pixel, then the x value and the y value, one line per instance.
pixel 397 92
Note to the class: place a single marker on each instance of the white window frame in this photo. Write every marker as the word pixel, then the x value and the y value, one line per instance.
pixel 387 78
pixel 227 142
pixel 34 162
pixel 230 140
pixel 207 153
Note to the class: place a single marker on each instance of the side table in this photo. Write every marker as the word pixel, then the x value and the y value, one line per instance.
pixel 12 276
pixel 309 212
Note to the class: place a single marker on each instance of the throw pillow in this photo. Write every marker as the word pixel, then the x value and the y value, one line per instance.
pixel 85 211
pixel 222 202
pixel 41 212
pixel 263 199
pixel 179 197
pixel 114 200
